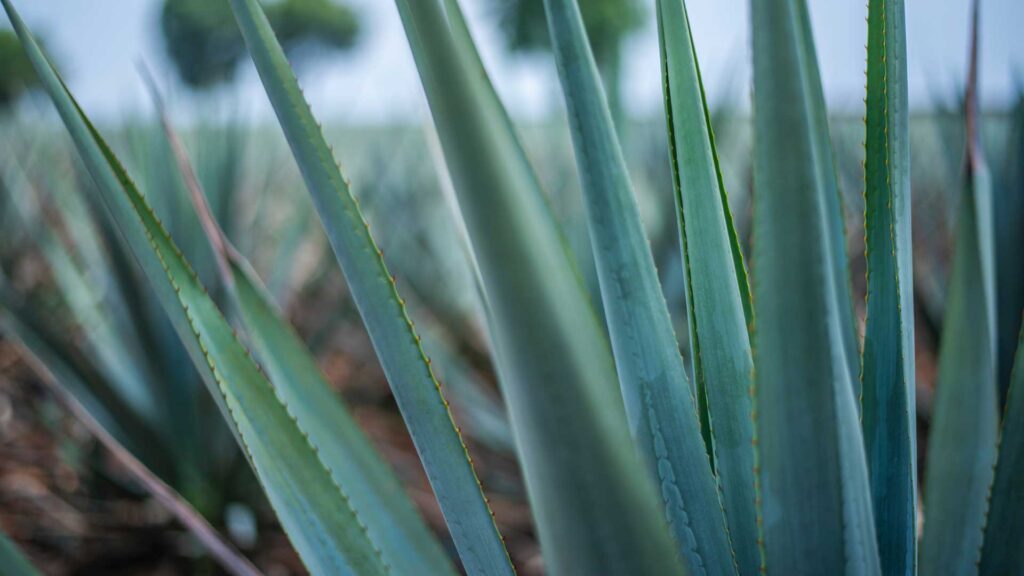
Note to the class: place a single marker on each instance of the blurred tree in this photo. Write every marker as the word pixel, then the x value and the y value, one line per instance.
pixel 16 73
pixel 204 43
pixel 608 23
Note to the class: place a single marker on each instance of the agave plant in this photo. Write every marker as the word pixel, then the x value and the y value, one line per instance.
pixel 131 369
pixel 792 451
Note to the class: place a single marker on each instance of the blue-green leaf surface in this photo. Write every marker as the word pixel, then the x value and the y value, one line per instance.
pixel 1003 548
pixel 13 561
pixel 465 45
pixel 962 444
pixel 824 164
pixel 717 296
pixel 373 490
pixel 888 407
pixel 815 504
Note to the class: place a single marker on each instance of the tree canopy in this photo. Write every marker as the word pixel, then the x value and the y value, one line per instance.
pixel 608 22
pixel 17 76
pixel 203 41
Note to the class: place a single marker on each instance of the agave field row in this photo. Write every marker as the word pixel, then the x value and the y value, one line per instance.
pixel 704 341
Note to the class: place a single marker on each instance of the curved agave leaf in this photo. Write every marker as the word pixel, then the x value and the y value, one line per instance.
pixel 889 412
pixel 417 392
pixel 815 504
pixel 824 164
pixel 584 269
pixel 1003 548
pixel 328 535
pixel 465 46
pixel 497 429
pixel 595 511
pixel 13 561
pixel 659 403
pixel 717 296
pixel 405 541
pixel 962 446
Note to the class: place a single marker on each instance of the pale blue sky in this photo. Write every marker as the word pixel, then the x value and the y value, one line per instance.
pixel 99 42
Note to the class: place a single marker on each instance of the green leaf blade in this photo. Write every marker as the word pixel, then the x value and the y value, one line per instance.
pixel 962 446
pixel 417 392
pixel 305 496
pixel 14 562
pixel 717 294
pixel 815 504
pixel 406 542
pixel 1003 549
pixel 824 165
pixel 889 410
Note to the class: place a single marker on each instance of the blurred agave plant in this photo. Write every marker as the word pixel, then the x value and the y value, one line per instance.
pixel 793 449
pixel 133 372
